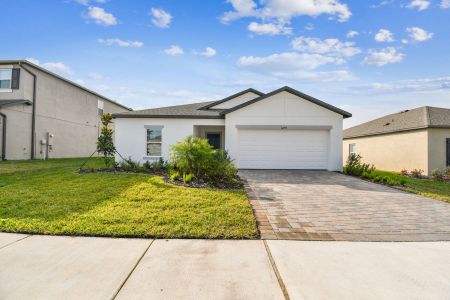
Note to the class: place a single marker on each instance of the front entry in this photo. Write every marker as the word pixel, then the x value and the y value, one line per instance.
pixel 214 140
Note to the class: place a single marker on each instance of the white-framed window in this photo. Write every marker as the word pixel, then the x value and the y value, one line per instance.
pixel 5 79
pixel 351 149
pixel 100 106
pixel 154 141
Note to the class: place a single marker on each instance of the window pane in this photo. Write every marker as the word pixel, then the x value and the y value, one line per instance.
pixel 154 149
pixel 352 148
pixel 5 74
pixel 5 84
pixel 153 135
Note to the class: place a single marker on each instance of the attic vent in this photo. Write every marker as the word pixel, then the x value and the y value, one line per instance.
pixel 404 111
pixel 387 124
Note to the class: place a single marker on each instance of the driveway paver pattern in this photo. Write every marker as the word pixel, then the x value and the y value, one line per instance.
pixel 322 205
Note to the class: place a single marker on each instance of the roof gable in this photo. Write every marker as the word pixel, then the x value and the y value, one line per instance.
pixel 234 96
pixel 294 92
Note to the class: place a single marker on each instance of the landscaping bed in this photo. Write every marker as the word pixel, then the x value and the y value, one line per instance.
pixel 414 182
pixel 51 197
pixel 236 184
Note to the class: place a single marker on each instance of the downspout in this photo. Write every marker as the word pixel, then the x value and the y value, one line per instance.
pixel 33 115
pixel 3 136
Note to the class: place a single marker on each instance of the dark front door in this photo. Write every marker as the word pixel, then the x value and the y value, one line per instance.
pixel 214 139
pixel 448 152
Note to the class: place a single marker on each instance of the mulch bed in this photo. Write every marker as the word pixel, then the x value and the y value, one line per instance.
pixel 237 184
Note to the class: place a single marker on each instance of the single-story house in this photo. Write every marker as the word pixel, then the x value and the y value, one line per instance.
pixel 412 139
pixel 283 129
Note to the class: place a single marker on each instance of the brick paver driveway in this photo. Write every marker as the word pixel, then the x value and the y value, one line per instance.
pixel 321 205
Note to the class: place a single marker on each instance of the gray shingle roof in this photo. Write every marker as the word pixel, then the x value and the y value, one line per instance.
pixel 202 110
pixel 191 111
pixel 418 118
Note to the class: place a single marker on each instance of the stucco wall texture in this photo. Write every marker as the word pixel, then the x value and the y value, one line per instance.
pixel 62 109
pixel 418 149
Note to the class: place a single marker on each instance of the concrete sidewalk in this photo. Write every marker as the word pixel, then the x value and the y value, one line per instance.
pixel 49 267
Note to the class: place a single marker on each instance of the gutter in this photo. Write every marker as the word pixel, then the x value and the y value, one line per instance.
pixel 33 115
pixel 3 136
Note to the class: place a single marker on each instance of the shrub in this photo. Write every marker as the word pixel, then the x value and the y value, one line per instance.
pixel 438 174
pixel 192 155
pixel 355 167
pixel 367 175
pixel 378 178
pixel 129 165
pixel 222 168
pixel 173 174
pixel 417 173
pixel 404 172
pixel 447 171
pixel 197 157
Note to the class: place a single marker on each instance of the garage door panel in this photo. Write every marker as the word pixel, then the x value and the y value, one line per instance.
pixel 282 149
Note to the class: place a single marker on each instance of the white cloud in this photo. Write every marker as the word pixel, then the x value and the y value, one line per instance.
pixel 86 2
pixel 100 16
pixel 56 67
pixel 332 47
pixel 383 57
pixel 120 43
pixel 384 35
pixel 412 85
pixel 208 52
pixel 418 34
pixel 285 61
pixel 445 4
pixel 269 28
pixel 285 10
pixel 309 26
pixel 174 50
pixel 419 4
pixel 161 18
pixel 352 33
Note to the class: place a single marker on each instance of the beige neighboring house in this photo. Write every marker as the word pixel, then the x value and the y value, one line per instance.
pixel 43 115
pixel 411 139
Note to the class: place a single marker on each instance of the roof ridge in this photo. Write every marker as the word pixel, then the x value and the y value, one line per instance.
pixel 427 115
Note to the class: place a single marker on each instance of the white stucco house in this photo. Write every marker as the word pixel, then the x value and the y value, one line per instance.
pixel 283 129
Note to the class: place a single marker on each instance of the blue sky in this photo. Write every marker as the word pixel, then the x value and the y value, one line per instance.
pixel 368 57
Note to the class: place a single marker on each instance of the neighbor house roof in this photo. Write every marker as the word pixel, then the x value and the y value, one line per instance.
pixel 14 102
pixel 203 111
pixel 26 62
pixel 418 118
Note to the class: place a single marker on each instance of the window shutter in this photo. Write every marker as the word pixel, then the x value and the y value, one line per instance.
pixel 15 78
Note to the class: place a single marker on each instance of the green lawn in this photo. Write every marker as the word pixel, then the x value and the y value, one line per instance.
pixel 50 197
pixel 429 188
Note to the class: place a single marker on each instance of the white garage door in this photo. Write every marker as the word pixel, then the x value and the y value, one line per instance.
pixel 282 149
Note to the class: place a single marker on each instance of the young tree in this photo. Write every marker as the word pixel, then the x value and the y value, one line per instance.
pixel 105 144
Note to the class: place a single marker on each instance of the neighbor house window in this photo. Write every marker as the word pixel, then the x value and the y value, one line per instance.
pixel 154 141
pixel 5 78
pixel 352 149
pixel 100 106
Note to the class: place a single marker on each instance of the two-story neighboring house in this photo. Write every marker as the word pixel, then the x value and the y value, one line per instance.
pixel 43 115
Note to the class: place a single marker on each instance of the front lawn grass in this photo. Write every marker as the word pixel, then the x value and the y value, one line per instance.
pixel 50 197
pixel 425 187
